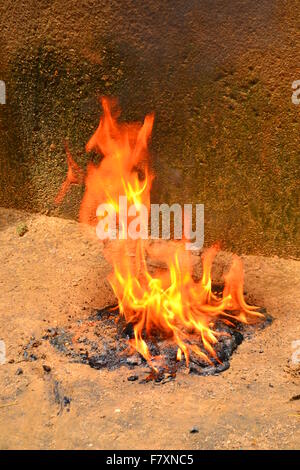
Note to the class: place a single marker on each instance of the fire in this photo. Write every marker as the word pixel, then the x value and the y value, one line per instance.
pixel 168 302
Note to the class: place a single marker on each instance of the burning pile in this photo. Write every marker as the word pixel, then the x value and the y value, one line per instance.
pixel 167 303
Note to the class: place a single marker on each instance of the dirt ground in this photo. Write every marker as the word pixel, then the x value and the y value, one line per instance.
pixel 55 274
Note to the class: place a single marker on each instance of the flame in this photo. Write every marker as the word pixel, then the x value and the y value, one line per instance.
pixel 124 168
pixel 168 302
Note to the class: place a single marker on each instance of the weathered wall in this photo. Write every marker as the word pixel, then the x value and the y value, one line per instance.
pixel 218 75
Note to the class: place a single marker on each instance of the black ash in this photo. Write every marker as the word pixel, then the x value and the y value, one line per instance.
pixel 102 342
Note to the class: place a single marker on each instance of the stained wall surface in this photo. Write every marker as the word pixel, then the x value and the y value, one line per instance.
pixel 218 76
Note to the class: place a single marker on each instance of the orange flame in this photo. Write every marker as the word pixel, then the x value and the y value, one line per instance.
pixel 124 147
pixel 169 302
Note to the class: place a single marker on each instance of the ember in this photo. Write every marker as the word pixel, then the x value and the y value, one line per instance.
pixel 167 317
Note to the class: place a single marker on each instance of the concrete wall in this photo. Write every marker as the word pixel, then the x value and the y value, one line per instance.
pixel 218 75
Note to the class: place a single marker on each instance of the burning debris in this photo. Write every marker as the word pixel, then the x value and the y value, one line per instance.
pixel 164 317
pixel 102 343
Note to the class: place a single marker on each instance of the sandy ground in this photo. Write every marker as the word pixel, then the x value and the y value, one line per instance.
pixel 55 274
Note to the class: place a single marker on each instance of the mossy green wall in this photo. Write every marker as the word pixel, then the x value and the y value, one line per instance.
pixel 217 75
